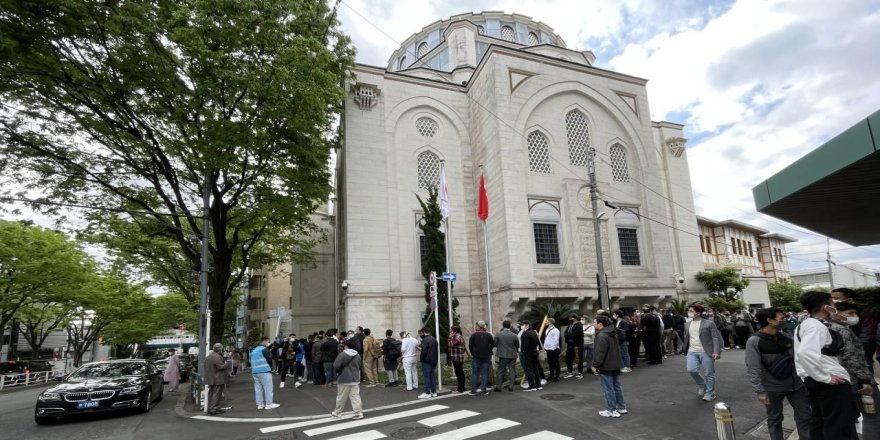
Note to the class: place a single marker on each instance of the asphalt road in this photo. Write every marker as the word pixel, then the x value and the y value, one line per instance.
pixel 661 399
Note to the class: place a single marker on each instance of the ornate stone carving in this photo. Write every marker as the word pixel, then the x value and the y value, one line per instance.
pixel 676 145
pixel 366 96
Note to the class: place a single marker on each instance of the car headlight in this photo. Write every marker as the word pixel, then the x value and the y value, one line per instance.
pixel 49 396
pixel 132 390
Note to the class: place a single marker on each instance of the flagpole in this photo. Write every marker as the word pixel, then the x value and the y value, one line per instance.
pixel 486 249
pixel 446 241
pixel 436 325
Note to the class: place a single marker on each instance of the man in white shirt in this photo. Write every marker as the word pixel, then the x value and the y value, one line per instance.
pixel 703 346
pixel 828 383
pixel 408 348
pixel 551 345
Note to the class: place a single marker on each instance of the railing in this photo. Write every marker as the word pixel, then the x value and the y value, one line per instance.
pixel 23 379
pixel 195 388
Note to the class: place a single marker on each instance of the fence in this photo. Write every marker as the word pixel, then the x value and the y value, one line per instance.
pixel 195 388
pixel 22 379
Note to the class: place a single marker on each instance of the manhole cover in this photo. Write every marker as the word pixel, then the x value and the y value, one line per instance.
pixel 412 432
pixel 280 436
pixel 557 397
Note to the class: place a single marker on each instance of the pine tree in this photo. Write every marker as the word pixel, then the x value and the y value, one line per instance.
pixel 434 259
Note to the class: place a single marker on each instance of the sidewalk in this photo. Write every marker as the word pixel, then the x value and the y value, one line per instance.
pixel 307 401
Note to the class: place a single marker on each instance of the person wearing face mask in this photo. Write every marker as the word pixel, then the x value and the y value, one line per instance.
pixel 703 346
pixel 851 357
pixel 429 363
pixel 816 351
pixel 773 376
pixel 866 329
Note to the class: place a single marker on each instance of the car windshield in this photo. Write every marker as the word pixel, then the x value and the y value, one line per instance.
pixel 96 371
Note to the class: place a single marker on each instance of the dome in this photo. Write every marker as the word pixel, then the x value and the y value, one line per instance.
pixel 463 40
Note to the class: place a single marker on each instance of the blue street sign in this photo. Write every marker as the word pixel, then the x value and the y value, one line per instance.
pixel 449 276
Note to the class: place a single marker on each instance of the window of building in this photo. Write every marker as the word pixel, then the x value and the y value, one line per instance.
pixel 733 245
pixel 507 33
pixel 751 252
pixel 426 127
pixel 578 137
pixel 533 39
pixel 619 167
pixel 628 236
pixel 428 169
pixel 423 251
pixel 708 244
pixel 539 153
pixel 702 246
pixel 402 63
pixel 423 49
pixel 545 219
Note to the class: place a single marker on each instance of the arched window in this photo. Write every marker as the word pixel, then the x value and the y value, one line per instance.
pixel 545 219
pixel 578 137
pixel 402 64
pixel 539 153
pixel 423 49
pixel 619 167
pixel 507 33
pixel 428 168
pixel 533 39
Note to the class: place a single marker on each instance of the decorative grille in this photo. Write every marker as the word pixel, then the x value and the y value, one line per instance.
pixel 619 167
pixel 628 239
pixel 539 153
pixel 426 127
pixel 428 170
pixel 546 243
pixel 578 137
pixel 365 95
pixel 533 39
pixel 507 33
pixel 481 30
pixel 423 49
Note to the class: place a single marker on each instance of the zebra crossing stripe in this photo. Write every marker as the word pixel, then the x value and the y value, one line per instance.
pixel 446 418
pixel 363 422
pixel 366 435
pixel 544 435
pixel 474 430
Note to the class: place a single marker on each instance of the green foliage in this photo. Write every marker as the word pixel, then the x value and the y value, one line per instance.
pixel 721 303
pixel 537 311
pixel 725 288
pixel 786 295
pixel 134 107
pixel 868 298
pixel 679 306
pixel 434 259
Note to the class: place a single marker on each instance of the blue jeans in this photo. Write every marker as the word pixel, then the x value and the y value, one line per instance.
pixel 480 368
pixel 624 354
pixel 588 355
pixel 697 360
pixel 263 388
pixel 329 373
pixel 612 391
pixel 430 378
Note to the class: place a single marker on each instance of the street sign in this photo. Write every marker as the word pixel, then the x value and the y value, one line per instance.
pixel 449 276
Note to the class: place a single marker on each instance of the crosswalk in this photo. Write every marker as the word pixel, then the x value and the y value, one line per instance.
pixel 430 416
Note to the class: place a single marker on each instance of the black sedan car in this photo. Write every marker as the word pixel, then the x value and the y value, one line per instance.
pixel 102 386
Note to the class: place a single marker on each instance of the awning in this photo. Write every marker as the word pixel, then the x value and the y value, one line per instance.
pixel 834 190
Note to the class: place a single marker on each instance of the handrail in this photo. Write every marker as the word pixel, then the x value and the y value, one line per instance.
pixel 24 379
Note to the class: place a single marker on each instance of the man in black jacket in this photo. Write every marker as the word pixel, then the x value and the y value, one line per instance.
pixel 574 351
pixel 650 326
pixel 329 351
pixel 480 344
pixel 429 358
pixel 529 345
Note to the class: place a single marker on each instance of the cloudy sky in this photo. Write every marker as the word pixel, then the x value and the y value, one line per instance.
pixel 757 83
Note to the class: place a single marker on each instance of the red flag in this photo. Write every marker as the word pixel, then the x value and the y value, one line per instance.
pixel 483 207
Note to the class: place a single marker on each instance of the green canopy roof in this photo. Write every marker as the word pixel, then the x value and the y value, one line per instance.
pixel 834 190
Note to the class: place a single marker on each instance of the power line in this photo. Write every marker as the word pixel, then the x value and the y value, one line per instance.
pixel 96 208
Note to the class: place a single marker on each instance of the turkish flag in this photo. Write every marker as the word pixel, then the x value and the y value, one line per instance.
pixel 483 207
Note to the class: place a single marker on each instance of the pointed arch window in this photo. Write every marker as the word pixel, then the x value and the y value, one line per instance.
pixel 545 219
pixel 423 49
pixel 428 168
pixel 426 127
pixel 539 153
pixel 578 137
pixel 533 39
pixel 402 64
pixel 619 166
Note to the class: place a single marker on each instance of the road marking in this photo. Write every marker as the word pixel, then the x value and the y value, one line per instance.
pixel 446 418
pixel 353 424
pixel 474 430
pixel 544 435
pixel 366 435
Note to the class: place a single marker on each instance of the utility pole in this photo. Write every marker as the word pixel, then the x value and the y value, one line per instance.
pixel 203 297
pixel 830 262
pixel 604 300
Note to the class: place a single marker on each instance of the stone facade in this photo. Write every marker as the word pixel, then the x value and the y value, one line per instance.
pixel 527 109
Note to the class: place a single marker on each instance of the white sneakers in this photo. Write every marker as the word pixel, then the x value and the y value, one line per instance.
pixel 543 381
pixel 424 396
pixel 272 406
pixel 626 370
pixel 607 413
pixel 297 384
pixel 261 406
pixel 433 394
pixel 282 385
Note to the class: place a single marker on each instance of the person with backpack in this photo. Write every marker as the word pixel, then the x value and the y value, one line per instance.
pixel 827 381
pixel 589 336
pixel 391 348
pixel 347 367
pixel 770 366
pixel 625 332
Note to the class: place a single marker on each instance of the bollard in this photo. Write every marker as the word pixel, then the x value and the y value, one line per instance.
pixel 724 422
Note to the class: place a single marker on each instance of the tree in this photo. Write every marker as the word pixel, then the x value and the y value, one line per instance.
pixel 537 312
pixel 40 320
pixel 38 268
pixel 725 288
pixel 132 108
pixel 679 306
pixel 434 259
pixel 786 295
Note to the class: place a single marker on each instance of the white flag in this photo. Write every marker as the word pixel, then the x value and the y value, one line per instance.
pixel 444 193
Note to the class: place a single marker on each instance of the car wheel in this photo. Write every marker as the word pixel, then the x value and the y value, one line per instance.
pixel 147 403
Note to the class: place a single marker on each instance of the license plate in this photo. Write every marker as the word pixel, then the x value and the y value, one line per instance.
pixel 87 404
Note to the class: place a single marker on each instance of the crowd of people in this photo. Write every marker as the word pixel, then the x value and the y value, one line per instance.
pixel 819 360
